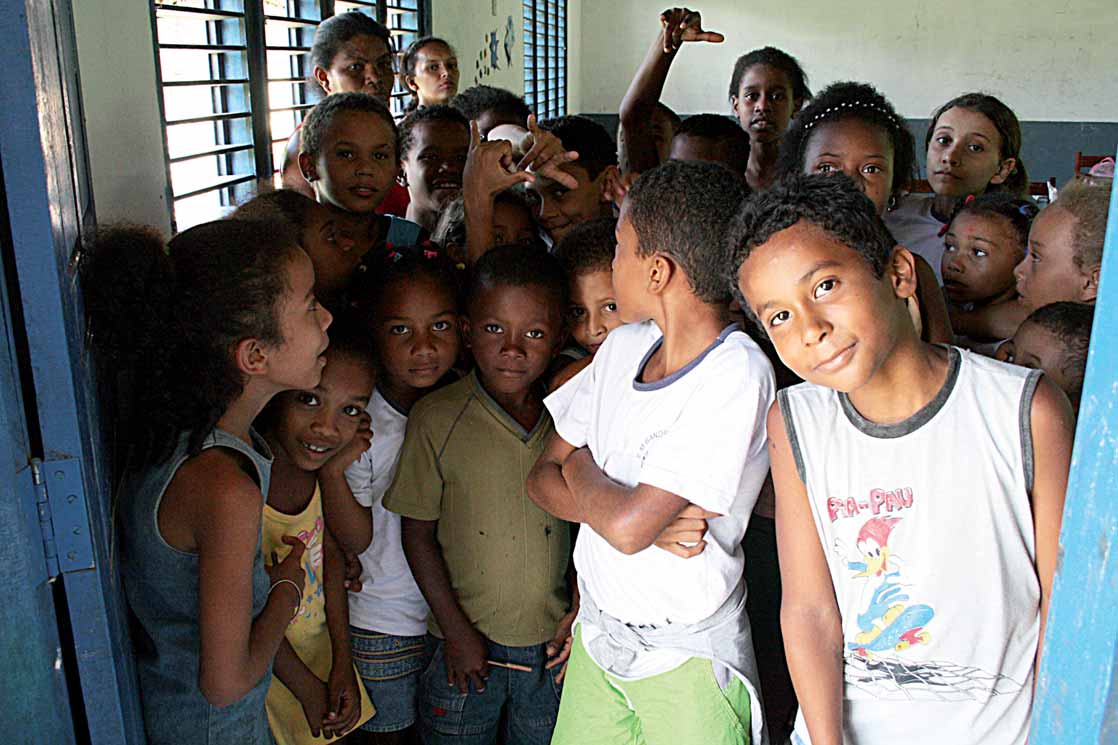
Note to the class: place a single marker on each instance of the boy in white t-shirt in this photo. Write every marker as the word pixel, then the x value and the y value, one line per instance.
pixel 663 431
pixel 919 487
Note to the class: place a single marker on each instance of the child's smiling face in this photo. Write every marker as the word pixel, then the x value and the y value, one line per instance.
pixel 832 321
pixel 434 163
pixel 312 425
pixel 562 208
pixel 356 163
pixel 513 332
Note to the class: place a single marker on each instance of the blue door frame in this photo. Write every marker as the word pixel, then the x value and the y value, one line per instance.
pixel 1077 688
pixel 47 203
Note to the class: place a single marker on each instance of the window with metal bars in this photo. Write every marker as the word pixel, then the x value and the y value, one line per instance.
pixel 235 80
pixel 545 57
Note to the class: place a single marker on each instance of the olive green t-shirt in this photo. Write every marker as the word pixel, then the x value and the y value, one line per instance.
pixel 464 462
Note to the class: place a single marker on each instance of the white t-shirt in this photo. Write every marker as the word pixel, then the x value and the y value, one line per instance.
pixel 914 227
pixel 928 532
pixel 390 601
pixel 698 433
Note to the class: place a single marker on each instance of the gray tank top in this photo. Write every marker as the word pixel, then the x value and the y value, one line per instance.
pixel 161 585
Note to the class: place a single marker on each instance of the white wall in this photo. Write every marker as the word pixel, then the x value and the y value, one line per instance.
pixel 1050 61
pixel 468 26
pixel 119 98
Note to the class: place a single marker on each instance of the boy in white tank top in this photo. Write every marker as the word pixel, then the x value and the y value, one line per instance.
pixel 919 488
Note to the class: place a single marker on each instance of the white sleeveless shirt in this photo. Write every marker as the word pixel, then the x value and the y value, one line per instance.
pixel 928 532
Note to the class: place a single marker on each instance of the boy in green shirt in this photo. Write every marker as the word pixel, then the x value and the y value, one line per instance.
pixel 491 564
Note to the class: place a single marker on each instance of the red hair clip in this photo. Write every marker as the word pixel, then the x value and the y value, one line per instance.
pixel 429 254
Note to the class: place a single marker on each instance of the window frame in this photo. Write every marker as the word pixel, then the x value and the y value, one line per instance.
pixel 545 75
pixel 244 160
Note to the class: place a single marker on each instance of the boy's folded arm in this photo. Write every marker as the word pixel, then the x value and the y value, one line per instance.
pixel 1053 430
pixel 629 518
pixel 546 485
pixel 809 614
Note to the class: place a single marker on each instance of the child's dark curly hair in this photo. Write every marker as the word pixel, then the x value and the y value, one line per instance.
pixel 322 115
pixel 402 265
pixel 519 265
pixel 596 149
pixel 834 204
pixel 723 130
pixel 438 113
pixel 849 100
pixel 588 247
pixel 478 99
pixel 1071 324
pixel 282 204
pixel 704 199
pixel 162 320
pixel 772 57
pixel 1018 212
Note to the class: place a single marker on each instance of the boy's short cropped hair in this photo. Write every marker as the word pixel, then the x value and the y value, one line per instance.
pixel 683 210
pixel 314 126
pixel 1070 323
pixel 478 99
pixel 588 247
pixel 1089 204
pixel 834 204
pixel 596 149
pixel 720 129
pixel 437 113
pixel 519 265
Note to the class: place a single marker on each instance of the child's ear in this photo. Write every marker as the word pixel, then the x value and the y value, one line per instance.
pixel 322 78
pixel 409 83
pixel 660 273
pixel 1005 170
pixel 1090 288
pixel 900 270
pixel 610 184
pixel 250 357
pixel 797 104
pixel 308 166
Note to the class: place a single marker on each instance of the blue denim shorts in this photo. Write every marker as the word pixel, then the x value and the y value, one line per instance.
pixel 389 667
pixel 528 700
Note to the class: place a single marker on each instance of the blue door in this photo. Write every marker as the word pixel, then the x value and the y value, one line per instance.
pixel 64 625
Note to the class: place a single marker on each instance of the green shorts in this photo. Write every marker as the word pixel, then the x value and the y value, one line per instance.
pixel 684 706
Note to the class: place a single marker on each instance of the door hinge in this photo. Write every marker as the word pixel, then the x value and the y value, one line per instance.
pixel 63 517
pixel 46 526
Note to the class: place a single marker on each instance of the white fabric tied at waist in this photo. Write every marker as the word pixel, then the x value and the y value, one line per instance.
pixel 723 637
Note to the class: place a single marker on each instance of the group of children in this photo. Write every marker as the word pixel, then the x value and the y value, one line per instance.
pixel 476 432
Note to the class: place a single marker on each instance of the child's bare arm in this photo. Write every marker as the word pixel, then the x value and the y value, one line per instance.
pixel 1053 430
pixel 304 684
pixel 235 649
pixel 630 519
pixel 344 700
pixel 809 615
pixel 993 322
pixel 489 171
pixel 546 485
pixel 933 305
pixel 465 648
pixel 349 521
pixel 677 25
